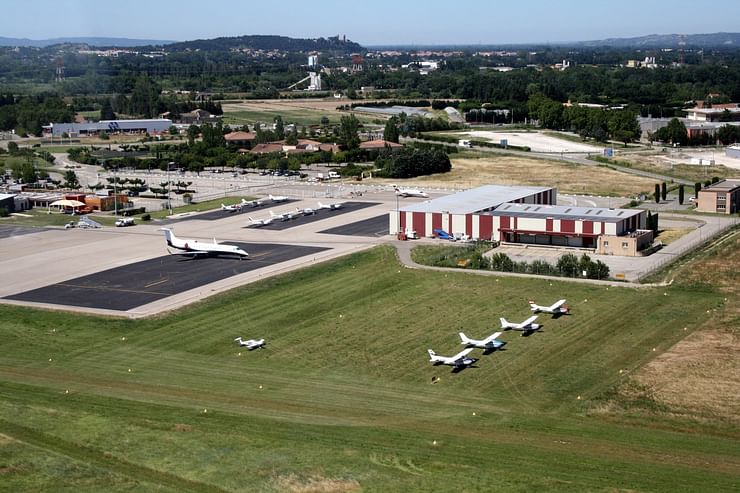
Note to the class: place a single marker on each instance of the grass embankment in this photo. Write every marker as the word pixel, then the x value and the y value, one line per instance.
pixel 514 170
pixel 341 399
pixel 652 164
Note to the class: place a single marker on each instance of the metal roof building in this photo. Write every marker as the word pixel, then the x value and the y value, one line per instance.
pixel 485 198
pixel 517 215
pixel 159 125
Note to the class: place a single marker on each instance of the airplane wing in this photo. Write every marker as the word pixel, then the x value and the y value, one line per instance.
pixel 528 322
pixel 461 354
pixel 190 252
pixel 492 337
pixel 557 305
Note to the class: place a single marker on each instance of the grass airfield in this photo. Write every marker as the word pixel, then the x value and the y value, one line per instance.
pixel 342 400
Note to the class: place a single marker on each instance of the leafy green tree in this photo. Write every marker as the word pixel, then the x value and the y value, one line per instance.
pixel 292 138
pixel 675 132
pixel 348 127
pixel 193 132
pixel 279 128
pixel 502 262
pixel 656 194
pixel 106 110
pixel 567 265
pixel 390 133
pixel 145 98
pixel 697 189
pixel 12 148
pixel 680 194
pixel 70 180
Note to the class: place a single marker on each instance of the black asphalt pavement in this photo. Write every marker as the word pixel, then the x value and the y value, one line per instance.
pixel 8 230
pixel 318 216
pixel 221 214
pixel 374 227
pixel 130 286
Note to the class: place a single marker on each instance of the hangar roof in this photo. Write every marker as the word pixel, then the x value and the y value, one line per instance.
pixel 599 214
pixel 475 200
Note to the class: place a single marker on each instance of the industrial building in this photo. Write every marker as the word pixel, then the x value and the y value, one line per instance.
pixel 154 126
pixel 722 197
pixel 526 215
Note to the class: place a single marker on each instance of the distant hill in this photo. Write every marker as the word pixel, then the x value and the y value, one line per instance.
pixel 90 41
pixel 268 42
pixel 713 40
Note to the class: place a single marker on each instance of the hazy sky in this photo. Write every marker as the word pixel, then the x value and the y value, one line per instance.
pixel 370 22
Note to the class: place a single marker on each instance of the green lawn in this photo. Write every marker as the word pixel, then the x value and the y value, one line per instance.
pixel 302 117
pixel 342 400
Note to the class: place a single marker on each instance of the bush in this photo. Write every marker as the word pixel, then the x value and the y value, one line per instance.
pixel 408 163
pixel 4 212
pixel 146 217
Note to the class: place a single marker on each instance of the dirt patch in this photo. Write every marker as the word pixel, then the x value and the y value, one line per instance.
pixel 315 484
pixel 182 427
pixel 669 235
pixel 508 170
pixel 699 376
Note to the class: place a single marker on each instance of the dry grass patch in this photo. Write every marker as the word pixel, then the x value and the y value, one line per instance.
pixel 699 376
pixel 315 484
pixel 669 235
pixel 509 170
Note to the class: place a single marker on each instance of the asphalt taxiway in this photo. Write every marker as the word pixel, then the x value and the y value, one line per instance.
pixel 130 286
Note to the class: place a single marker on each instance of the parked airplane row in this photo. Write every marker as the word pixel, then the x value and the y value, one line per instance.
pixel 287 216
pixel 252 203
pixel 196 248
pixel 491 343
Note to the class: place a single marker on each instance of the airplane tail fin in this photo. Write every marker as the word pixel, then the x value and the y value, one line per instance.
pixel 432 354
pixel 321 206
pixel 532 306
pixel 272 214
pixel 504 323
pixel 463 338
pixel 168 234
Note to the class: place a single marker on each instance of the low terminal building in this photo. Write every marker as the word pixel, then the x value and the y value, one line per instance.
pixel 722 197
pixel 153 126
pixel 524 215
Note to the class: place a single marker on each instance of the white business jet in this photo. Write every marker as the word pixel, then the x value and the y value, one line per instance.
pixel 458 362
pixel 251 203
pixel 557 308
pixel 259 222
pixel 285 216
pixel 331 207
pixel 410 192
pixel 527 327
pixel 278 198
pixel 251 344
pixel 488 344
pixel 195 248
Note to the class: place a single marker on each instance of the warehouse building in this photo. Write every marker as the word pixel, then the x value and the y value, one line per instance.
pixel 155 126
pixel 722 197
pixel 525 215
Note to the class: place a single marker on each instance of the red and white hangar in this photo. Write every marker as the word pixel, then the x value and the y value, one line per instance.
pixel 521 214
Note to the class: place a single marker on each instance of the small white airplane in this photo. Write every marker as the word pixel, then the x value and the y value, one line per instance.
pixel 410 192
pixel 195 248
pixel 278 198
pixel 259 222
pixel 251 344
pixel 308 211
pixel 331 207
pixel 251 203
pixel 231 208
pixel 458 362
pixel 488 344
pixel 557 308
pixel 527 327
pixel 285 216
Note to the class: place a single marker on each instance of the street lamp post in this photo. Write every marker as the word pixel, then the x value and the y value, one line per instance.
pixel 169 187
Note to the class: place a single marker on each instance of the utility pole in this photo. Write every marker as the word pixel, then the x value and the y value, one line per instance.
pixel 169 186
